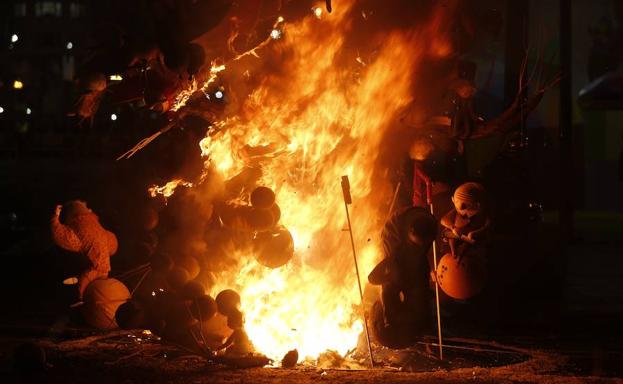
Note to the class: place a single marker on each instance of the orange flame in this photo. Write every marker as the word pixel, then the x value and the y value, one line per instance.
pixel 168 189
pixel 321 126
pixel 314 122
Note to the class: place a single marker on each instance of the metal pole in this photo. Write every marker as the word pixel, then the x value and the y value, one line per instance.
pixel 432 212
pixel 348 200
pixel 429 201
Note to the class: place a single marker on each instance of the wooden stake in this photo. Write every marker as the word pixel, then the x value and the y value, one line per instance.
pixel 349 200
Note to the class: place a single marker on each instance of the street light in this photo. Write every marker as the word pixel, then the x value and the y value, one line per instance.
pixel 14 38
pixel 17 84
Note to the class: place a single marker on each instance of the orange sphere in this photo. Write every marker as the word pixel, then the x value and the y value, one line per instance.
pixel 227 302
pixel 102 297
pixel 273 249
pixel 262 197
pixel 190 264
pixel 260 219
pixel 462 280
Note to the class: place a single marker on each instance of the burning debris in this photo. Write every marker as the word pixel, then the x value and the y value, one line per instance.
pixel 250 258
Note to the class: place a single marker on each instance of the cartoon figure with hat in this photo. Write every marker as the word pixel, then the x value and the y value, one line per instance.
pixel 468 222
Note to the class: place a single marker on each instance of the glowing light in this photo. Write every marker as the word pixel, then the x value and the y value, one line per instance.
pixel 70 45
pixel 168 189
pixel 275 34
pixel 218 94
pixel 14 38
pixel 318 12
pixel 28 111
pixel 1 110
pixel 17 84
pixel 116 77
pixel 113 117
pixel 304 138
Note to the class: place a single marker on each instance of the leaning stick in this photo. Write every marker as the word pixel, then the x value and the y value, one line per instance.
pixel 391 206
pixel 429 201
pixel 349 200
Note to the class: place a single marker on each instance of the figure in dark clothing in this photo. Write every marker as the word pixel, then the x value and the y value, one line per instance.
pixel 403 313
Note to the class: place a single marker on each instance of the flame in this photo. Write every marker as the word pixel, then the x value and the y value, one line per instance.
pixel 316 121
pixel 168 189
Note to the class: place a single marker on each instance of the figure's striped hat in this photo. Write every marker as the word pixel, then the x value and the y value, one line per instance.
pixel 470 192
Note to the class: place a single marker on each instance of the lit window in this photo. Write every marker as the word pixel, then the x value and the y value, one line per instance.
pixel 52 8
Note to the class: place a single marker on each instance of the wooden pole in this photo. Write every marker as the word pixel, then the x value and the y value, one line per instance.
pixel 349 200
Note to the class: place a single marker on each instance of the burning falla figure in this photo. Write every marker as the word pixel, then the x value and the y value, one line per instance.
pixel 403 312
pixel 82 232
pixel 467 223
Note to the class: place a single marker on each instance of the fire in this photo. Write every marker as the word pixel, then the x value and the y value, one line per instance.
pixel 305 126
pixel 168 189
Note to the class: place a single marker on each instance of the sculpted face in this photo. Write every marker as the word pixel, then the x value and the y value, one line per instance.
pixel 465 207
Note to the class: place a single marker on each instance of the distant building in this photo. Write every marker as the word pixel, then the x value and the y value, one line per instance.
pixel 41 43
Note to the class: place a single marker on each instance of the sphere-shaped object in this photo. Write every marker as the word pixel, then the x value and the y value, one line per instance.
pixel 273 249
pixel 192 290
pixel 102 297
pixel 276 212
pixel 227 302
pixel 190 264
pixel 130 315
pixel 177 277
pixel 235 319
pixel 203 308
pixel 262 197
pixel 462 280
pixel 260 219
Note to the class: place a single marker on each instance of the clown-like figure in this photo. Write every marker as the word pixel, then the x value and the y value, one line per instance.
pixel 467 223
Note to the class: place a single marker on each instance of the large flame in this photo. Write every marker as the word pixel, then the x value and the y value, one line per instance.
pixel 314 122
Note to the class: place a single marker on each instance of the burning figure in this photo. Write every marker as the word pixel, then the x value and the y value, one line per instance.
pixel 403 312
pixel 467 223
pixel 82 232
